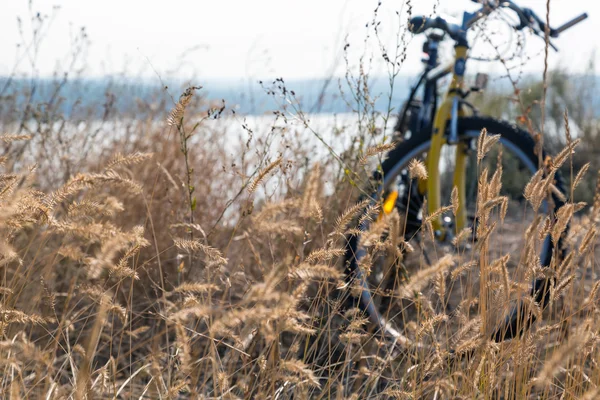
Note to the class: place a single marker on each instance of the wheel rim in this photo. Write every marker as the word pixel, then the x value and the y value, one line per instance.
pixel 367 302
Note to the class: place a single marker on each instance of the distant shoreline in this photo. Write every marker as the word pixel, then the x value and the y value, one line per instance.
pixel 245 97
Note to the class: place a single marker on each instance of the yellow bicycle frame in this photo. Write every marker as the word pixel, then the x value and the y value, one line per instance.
pixel 438 140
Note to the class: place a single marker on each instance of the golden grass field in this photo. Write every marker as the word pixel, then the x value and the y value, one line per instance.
pixel 159 256
pixel 166 270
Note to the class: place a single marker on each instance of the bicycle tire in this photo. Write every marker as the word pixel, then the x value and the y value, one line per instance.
pixel 517 140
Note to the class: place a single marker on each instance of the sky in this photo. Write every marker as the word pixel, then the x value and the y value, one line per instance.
pixel 240 39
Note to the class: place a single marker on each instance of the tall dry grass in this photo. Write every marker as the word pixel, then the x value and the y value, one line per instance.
pixel 172 261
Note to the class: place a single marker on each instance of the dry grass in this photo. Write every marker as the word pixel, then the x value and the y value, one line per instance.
pixel 173 263
pixel 109 290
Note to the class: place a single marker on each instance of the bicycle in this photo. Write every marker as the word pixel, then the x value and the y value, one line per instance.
pixel 425 127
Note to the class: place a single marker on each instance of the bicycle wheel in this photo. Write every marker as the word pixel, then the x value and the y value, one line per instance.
pixel 378 288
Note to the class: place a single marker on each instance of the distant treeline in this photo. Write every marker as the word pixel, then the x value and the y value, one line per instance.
pixel 91 97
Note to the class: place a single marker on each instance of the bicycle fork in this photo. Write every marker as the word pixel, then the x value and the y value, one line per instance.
pixel 449 112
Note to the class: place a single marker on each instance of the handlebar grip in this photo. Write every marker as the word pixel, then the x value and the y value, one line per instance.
pixel 418 24
pixel 421 23
pixel 570 24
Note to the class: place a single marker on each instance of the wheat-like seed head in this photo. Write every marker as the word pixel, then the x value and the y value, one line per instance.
pixel 485 144
pixel 454 201
pixel 294 369
pixel 588 239
pixel 308 271
pixel 8 138
pixel 310 204
pixel 563 216
pixel 128 159
pixel 417 170
pixel 596 204
pixel 326 254
pixel 350 213
pixel 565 153
pixel 211 253
pixel 591 298
pixel 191 287
pixel 176 116
pixel 422 278
pixel 462 269
pixel 375 150
pixel 427 327
pixel 263 174
pixel 580 175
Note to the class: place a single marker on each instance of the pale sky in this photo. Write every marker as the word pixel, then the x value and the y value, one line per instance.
pixel 246 38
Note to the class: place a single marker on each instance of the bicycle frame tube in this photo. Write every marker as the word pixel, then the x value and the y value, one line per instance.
pixel 429 89
pixel 438 139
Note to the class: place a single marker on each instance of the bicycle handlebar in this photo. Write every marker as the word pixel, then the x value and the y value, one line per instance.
pixel 571 23
pixel 527 18
pixel 422 23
